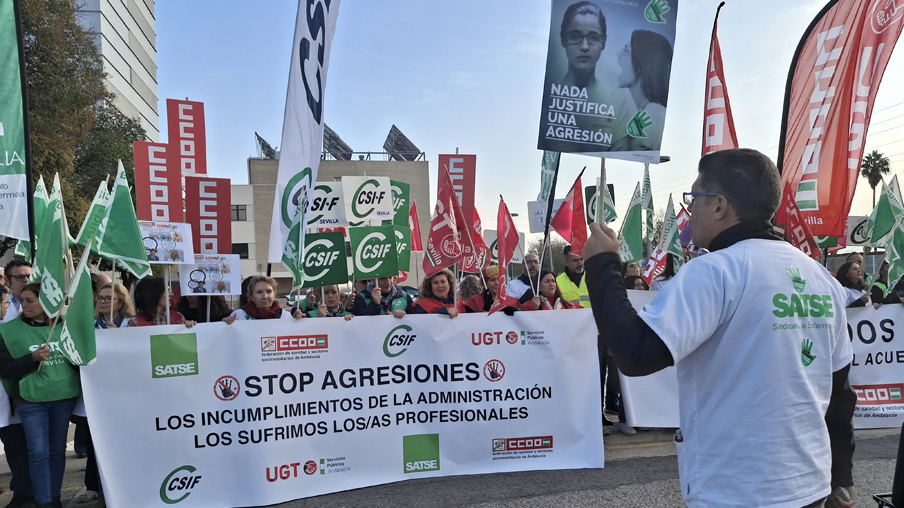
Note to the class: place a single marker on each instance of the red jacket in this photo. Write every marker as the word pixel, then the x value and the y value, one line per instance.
pixel 528 305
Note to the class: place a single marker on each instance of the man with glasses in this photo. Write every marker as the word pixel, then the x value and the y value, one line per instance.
pixel 530 275
pixel 742 347
pixel 12 434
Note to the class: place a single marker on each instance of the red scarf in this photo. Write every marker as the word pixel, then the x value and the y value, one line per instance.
pixel 272 313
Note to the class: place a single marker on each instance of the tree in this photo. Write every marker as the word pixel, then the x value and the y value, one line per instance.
pixel 874 166
pixel 553 251
pixel 65 80
pixel 109 141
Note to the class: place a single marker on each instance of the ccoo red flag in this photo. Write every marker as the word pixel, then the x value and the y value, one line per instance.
pixel 796 231
pixel 506 243
pixel 570 224
pixel 415 225
pixel 444 247
pixel 718 124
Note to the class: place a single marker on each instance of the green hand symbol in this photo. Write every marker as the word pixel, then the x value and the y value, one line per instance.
pixel 655 10
pixel 796 280
pixel 806 356
pixel 638 124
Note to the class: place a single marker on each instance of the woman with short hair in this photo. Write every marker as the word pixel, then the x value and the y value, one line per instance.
pixel 262 302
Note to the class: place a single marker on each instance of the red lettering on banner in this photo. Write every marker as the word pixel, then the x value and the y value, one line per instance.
pixel 463 173
pixel 158 189
pixel 208 208
pixel 187 136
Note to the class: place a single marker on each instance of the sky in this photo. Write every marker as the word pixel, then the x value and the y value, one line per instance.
pixel 468 75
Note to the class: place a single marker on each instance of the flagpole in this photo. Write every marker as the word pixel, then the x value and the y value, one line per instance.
pixel 113 278
pixel 549 204
pixel 20 38
pixel 208 308
pixel 600 202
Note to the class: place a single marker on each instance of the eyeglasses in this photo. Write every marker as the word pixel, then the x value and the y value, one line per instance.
pixel 531 262
pixel 105 299
pixel 20 278
pixel 689 196
pixel 575 37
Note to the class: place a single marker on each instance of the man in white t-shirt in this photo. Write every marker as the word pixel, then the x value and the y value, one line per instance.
pixel 757 331
pixel 530 271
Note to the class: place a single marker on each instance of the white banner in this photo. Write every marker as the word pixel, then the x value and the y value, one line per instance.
pixel 218 274
pixel 536 211
pixel 876 374
pixel 302 136
pixel 167 243
pixel 490 237
pixel 264 412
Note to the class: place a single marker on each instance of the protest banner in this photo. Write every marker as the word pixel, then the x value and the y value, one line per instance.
pixel 187 136
pixel 208 208
pixel 831 88
pixel 876 374
pixel 592 101
pixel 167 243
pixel 368 200
pixel 218 274
pixel 263 412
pixel 14 174
pixel 327 208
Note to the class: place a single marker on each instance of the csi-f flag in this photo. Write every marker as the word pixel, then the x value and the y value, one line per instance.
pixel 94 217
pixel 118 236
pixel 39 200
pixel 51 251
pixel 302 136
pixel 547 174
pixel 647 200
pixel 15 164
pixel 77 338
pixel 609 213
pixel 324 259
pixel 884 217
pixel 293 253
pixel 895 256
pixel 630 238
pixel 718 124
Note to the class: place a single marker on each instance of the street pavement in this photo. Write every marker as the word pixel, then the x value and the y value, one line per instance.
pixel 641 471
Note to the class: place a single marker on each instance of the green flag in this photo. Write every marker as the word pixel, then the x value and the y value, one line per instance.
pixel 23 247
pixel 77 337
pixel 895 256
pixel 670 241
pixel 886 213
pixel 547 173
pixel 13 135
pixel 630 238
pixel 94 217
pixel 118 236
pixel 403 246
pixel 374 252
pixel 293 253
pixel 51 251
pixel 325 262
pixel 609 213
pixel 647 199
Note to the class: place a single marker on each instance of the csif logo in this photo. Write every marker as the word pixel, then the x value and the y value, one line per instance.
pixel 372 247
pixel 174 354
pixel 421 453
pixel 179 484
pixel 296 191
pixel 397 341
pixel 401 244
pixel 316 24
pixel 368 193
pixel 324 200
pixel 321 255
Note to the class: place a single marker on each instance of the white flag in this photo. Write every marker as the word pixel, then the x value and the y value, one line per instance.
pixel 302 137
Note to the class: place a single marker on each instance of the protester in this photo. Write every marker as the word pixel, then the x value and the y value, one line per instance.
pixel 301 308
pixel 435 295
pixel 717 321
pixel 483 301
pixel 470 286
pixel 262 302
pixel 550 298
pixel 3 281
pixel 150 305
pixel 666 275
pixel 635 282
pixel 195 308
pixel 881 287
pixel 571 282
pixel 331 306
pixel 856 257
pixel 45 399
pixel 631 269
pixel 530 270
pixel 850 276
pixel 382 297
pixel 12 434
pixel 112 301
pixel 243 298
pixel 4 301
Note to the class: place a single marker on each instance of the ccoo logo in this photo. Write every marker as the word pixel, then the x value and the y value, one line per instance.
pixel 179 484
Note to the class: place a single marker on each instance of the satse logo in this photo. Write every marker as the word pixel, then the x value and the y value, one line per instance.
pixel 181 481
pixel 421 453
pixel 174 355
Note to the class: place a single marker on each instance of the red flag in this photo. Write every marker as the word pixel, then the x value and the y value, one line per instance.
pixel 403 276
pixel 506 242
pixel 832 85
pixel 415 225
pixel 683 218
pixel 718 124
pixel 444 247
pixel 796 231
pixel 481 251
pixel 655 265
pixel 570 224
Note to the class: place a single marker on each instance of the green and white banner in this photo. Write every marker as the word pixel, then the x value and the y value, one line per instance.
pixel 40 200
pixel 13 186
pixel 94 217
pixel 368 200
pixel 51 252
pixel 324 259
pixel 327 207
pixel 262 412
pixel 403 246
pixel 401 202
pixel 374 252
pixel 630 238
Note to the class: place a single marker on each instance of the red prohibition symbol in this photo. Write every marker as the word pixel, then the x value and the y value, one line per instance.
pixel 226 388
pixel 494 370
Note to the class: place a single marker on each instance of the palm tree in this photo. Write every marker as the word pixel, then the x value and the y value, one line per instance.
pixel 874 166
